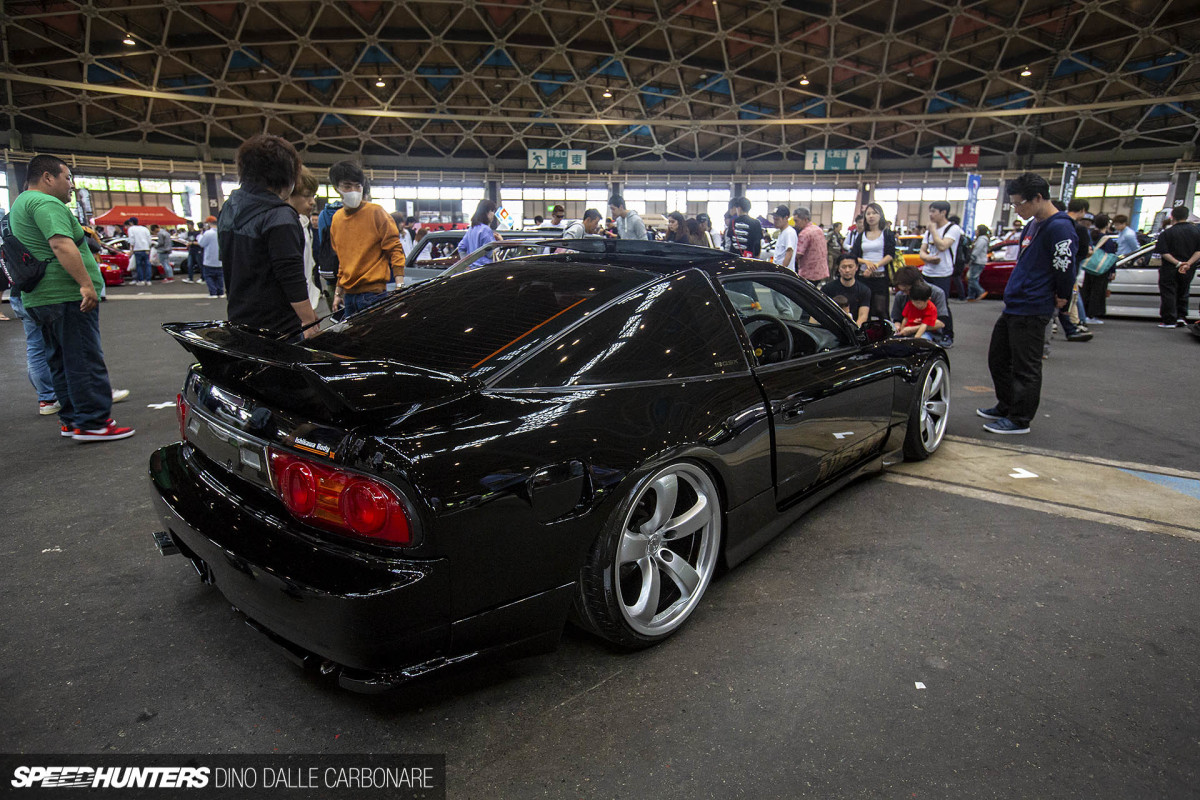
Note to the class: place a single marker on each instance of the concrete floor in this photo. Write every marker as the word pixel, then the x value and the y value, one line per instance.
pixel 1051 620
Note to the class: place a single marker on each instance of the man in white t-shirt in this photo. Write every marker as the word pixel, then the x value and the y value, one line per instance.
pixel 785 245
pixel 938 248
pixel 139 245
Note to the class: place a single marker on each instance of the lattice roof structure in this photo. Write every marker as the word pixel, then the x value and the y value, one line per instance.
pixel 633 82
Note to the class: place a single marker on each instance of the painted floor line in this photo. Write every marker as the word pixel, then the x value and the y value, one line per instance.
pixel 1188 486
pixel 1103 462
pixel 1057 509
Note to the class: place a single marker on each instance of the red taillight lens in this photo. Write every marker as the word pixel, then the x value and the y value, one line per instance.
pixel 181 409
pixel 340 501
pixel 298 488
pixel 365 507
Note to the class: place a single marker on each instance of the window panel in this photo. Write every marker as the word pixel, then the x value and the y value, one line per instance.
pixel 889 195
pixel 909 195
pixel 1119 190
pixel 822 195
pixel 1146 189
pixel 845 195
pixel 956 193
pixel 383 192
pixel 989 193
pixel 1089 190
pixel 931 193
pixel 800 195
pixel 673 329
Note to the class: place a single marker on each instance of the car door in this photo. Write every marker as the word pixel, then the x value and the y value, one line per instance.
pixel 830 398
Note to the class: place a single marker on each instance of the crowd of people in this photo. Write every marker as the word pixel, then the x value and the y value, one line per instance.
pixel 267 250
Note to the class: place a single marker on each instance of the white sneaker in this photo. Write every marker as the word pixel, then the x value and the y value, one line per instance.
pixel 120 394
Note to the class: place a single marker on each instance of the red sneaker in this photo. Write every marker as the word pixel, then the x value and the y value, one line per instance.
pixel 109 432
pixel 69 432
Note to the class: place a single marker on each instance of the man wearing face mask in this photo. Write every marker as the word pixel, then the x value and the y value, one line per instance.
pixel 366 241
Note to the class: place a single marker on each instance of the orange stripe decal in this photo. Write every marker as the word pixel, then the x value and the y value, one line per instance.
pixel 526 333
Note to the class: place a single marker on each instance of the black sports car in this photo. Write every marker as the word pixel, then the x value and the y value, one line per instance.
pixel 452 473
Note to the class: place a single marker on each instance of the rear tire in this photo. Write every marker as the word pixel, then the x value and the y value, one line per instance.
pixel 930 411
pixel 650 566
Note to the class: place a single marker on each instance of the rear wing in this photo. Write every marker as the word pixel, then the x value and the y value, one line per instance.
pixel 332 386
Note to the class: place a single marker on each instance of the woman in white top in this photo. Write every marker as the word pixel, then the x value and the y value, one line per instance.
pixel 875 249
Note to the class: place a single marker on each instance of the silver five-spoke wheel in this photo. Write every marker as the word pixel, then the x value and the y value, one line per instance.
pixel 935 405
pixel 930 411
pixel 648 570
pixel 668 549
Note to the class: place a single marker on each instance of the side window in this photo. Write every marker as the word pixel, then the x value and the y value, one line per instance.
pixel 783 321
pixel 676 328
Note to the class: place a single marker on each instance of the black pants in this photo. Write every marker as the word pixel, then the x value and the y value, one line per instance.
pixel 880 296
pixel 1094 291
pixel 1015 361
pixel 1173 290
pixel 944 285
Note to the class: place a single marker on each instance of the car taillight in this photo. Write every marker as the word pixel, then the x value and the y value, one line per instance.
pixel 340 501
pixel 181 409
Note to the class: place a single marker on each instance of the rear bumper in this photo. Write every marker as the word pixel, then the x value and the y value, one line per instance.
pixel 354 609
pixel 370 621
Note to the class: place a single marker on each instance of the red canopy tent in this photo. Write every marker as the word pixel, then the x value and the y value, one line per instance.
pixel 146 215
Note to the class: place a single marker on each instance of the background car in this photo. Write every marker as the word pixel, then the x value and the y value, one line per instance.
pixel 179 255
pixel 447 475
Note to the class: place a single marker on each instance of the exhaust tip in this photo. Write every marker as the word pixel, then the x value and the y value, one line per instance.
pixel 165 544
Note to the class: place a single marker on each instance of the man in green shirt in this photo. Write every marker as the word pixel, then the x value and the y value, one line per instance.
pixel 65 305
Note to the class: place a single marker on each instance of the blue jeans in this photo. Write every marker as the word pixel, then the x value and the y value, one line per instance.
pixel 142 270
pixel 164 261
pixel 193 264
pixel 76 362
pixel 974 287
pixel 360 302
pixel 215 278
pixel 35 353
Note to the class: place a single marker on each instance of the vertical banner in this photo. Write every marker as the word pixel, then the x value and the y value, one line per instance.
pixel 1070 177
pixel 974 181
pixel 83 206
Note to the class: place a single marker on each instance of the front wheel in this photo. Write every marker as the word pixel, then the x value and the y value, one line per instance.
pixel 930 411
pixel 648 570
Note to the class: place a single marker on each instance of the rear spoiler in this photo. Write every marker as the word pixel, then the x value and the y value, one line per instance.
pixel 344 386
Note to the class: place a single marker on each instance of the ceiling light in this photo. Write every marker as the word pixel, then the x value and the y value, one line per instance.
pixel 380 83
pixel 1025 73
pixel 804 80
pixel 129 40
pixel 607 93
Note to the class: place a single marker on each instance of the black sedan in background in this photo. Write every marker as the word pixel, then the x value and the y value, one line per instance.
pixel 454 473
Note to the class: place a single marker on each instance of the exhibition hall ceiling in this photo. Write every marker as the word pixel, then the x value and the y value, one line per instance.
pixel 631 82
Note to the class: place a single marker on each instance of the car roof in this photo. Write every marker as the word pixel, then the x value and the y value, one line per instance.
pixel 663 258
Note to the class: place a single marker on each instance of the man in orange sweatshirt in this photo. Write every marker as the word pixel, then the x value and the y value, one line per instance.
pixel 366 241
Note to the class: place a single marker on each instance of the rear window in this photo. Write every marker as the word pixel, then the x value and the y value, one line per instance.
pixel 675 328
pixel 480 321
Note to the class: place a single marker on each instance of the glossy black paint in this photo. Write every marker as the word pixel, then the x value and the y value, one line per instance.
pixel 508 487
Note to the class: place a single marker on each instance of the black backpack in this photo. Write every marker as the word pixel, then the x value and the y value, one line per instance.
pixel 962 254
pixel 24 271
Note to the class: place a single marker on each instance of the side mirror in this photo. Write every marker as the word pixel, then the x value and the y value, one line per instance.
pixel 876 330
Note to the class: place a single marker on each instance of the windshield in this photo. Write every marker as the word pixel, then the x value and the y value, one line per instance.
pixel 477 322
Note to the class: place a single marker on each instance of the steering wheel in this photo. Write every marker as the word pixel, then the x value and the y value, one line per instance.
pixel 771 348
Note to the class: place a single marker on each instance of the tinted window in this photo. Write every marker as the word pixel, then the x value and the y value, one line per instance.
pixel 477 322
pixel 675 328
pixel 763 304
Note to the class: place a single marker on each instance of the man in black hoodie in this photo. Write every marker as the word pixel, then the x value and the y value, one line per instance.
pixel 262 245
